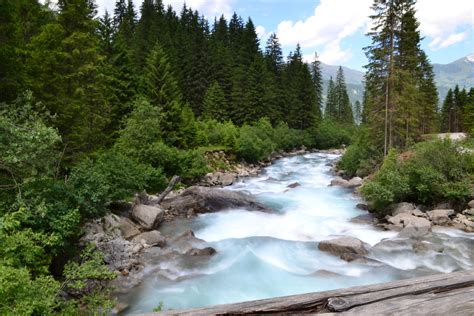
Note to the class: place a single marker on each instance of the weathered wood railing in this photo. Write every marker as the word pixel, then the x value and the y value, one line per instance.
pixel 441 294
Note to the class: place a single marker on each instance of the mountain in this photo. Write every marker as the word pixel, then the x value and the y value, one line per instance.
pixel 460 72
pixel 354 79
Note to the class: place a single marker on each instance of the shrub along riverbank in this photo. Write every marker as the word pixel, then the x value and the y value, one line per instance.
pixel 426 173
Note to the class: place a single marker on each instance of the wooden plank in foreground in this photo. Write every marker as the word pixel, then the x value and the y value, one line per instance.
pixel 448 294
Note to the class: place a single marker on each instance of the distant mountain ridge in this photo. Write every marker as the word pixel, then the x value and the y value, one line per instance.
pixel 460 72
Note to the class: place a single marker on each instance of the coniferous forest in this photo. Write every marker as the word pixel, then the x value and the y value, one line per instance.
pixel 96 108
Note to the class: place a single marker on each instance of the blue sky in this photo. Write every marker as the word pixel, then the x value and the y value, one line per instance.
pixel 336 28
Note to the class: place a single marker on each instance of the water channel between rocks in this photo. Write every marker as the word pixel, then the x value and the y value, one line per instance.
pixel 261 255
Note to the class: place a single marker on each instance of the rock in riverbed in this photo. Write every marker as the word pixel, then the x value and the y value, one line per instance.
pixel 342 246
pixel 206 200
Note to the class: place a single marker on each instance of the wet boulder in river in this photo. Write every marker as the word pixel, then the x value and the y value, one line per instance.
pixel 342 246
pixel 208 200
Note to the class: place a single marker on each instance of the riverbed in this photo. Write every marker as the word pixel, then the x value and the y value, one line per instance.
pixel 261 255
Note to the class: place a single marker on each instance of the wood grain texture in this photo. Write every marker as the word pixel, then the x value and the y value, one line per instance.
pixel 441 294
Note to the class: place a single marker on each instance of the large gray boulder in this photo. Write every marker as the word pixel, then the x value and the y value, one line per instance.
pixel 410 226
pixel 441 216
pixel 471 204
pixel 463 222
pixel 402 208
pixel 206 200
pixel 344 247
pixel 148 217
pixel 219 178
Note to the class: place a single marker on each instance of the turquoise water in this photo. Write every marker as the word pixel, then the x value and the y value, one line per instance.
pixel 262 255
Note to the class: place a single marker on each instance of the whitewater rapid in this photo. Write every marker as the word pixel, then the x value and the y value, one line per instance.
pixel 261 255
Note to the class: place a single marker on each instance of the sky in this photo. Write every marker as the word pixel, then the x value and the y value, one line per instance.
pixel 336 29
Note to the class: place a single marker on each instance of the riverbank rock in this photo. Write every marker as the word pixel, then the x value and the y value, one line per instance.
pixel 463 222
pixel 402 208
pixel 440 216
pixel 219 179
pixel 352 183
pixel 148 217
pixel 471 204
pixel 408 225
pixel 344 247
pixel 150 239
pixel 206 200
pixel 364 219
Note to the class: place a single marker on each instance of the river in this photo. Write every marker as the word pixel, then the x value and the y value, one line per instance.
pixel 261 255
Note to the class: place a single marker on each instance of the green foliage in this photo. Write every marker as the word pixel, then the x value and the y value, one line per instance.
pixel 286 138
pixel 429 173
pixel 27 144
pixel 332 135
pixel 361 157
pixel 88 280
pixel 20 294
pixel 255 142
pixel 111 177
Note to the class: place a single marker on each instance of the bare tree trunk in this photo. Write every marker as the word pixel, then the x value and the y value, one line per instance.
pixel 168 189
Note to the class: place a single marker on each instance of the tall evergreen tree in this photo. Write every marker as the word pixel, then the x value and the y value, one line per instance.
pixel 357 109
pixel 331 109
pixel 161 88
pixel 344 110
pixel 215 103
pixel 318 85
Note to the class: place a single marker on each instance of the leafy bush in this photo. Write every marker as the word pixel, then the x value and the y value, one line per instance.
pixel 332 135
pixel 111 177
pixel 361 157
pixel 429 173
pixel 286 138
pixel 221 134
pixel 253 143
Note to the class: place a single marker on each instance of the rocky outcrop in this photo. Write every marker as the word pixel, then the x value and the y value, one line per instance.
pixel 471 204
pixel 344 247
pixel 148 217
pixel 219 178
pixel 463 222
pixel 403 208
pixel 441 216
pixel 205 200
pixel 352 183
pixel 408 225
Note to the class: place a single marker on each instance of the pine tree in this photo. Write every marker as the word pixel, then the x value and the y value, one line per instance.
pixel 318 84
pixel 160 86
pixel 331 111
pixel 343 105
pixel 215 104
pixel 468 113
pixel 357 112
pixel 68 75
pixel 447 113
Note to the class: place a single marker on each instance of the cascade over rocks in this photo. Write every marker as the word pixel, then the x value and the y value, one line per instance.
pixel 205 200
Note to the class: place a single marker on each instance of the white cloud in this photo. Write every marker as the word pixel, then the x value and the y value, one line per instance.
pixel 208 8
pixel 261 32
pixel 332 21
pixel 440 20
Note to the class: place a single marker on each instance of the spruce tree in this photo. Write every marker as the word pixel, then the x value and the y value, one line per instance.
pixel 344 110
pixel 215 103
pixel 331 110
pixel 160 86
pixel 357 112
pixel 447 113
pixel 318 84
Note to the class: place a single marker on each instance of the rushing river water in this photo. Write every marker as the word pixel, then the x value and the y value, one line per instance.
pixel 262 255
